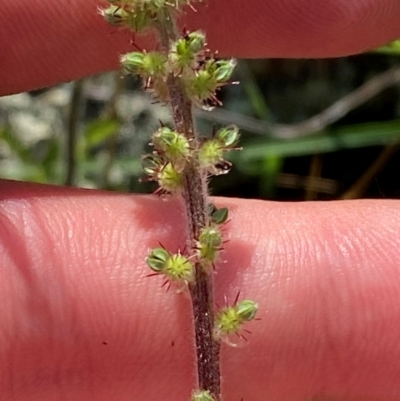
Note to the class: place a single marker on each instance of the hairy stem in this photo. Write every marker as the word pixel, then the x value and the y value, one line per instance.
pixel 207 349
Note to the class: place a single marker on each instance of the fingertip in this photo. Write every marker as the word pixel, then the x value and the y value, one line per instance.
pixel 325 276
pixel 76 279
pixel 62 41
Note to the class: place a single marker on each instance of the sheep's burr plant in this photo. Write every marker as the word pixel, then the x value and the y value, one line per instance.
pixel 183 73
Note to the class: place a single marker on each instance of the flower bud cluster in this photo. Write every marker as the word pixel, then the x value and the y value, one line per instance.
pixel 176 267
pixel 172 151
pixel 166 164
pixel 210 240
pixel 230 319
pixel 202 395
pixel 169 178
pixel 188 59
pixel 212 151
pixel 139 15
pixel 201 84
pixel 172 145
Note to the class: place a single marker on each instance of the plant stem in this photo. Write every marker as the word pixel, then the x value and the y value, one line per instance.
pixel 195 193
pixel 72 131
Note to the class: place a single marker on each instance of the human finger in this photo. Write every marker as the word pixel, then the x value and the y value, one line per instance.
pixel 45 42
pixel 80 320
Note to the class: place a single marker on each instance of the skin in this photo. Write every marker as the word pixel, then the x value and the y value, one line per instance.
pixel 79 318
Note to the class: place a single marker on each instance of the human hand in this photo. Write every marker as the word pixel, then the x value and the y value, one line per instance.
pixel 80 321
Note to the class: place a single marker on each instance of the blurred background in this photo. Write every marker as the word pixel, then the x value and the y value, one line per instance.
pixel 311 129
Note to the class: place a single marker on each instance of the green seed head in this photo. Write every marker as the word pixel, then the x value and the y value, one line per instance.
pixel 158 259
pixel 195 41
pixel 179 268
pixel 228 321
pixel 170 179
pixel 247 309
pixel 127 17
pixel 201 395
pixel 224 70
pixel 211 236
pixel 154 63
pixel 210 153
pixel 172 145
pixel 209 244
pixel 133 62
pixel 115 15
pixel 176 267
pixel 147 64
pixel 231 319
pixel 201 85
pixel 184 52
pixel 228 136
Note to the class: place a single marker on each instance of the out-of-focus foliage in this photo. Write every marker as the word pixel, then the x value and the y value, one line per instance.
pixel 117 119
pixel 392 48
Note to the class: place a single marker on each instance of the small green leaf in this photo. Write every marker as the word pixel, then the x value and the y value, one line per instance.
pixel 157 259
pixel 219 216
pixel 172 145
